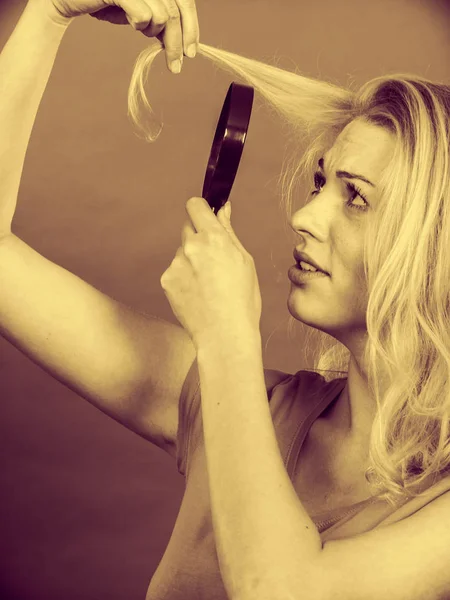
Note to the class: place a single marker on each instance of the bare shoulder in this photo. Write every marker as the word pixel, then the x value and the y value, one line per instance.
pixel 405 559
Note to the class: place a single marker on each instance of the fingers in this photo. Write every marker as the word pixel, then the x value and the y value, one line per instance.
pixel 191 27
pixel 173 37
pixel 158 18
pixel 175 24
pixel 135 12
pixel 186 231
pixel 182 32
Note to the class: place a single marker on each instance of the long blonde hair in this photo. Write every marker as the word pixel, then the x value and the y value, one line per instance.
pixel 406 260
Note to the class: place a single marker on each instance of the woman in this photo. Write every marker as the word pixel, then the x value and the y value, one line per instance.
pixel 352 497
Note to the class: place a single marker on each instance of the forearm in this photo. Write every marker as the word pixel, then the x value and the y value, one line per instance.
pixel 266 541
pixel 26 62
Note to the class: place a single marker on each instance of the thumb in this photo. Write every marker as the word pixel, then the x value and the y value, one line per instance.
pixel 224 218
pixel 226 210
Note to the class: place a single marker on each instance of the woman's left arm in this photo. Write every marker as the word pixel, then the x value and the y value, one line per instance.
pixel 268 546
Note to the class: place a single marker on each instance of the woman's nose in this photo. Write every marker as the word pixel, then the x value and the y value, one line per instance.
pixel 313 218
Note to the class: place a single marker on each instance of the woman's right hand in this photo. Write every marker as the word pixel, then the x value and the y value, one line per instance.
pixel 173 22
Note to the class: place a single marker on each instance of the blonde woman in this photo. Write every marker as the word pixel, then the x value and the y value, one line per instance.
pixel 298 487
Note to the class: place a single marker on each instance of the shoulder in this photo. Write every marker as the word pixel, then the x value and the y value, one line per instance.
pixel 303 379
pixel 406 559
pixel 294 396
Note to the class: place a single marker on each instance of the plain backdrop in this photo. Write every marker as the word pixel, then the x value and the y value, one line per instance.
pixel 86 506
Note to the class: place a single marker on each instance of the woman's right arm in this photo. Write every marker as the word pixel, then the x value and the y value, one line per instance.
pixel 130 366
pixel 26 62
pixel 27 59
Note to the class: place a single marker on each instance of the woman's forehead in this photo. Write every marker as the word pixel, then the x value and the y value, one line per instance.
pixel 361 147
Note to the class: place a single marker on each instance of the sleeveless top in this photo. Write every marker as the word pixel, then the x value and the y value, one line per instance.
pixel 189 569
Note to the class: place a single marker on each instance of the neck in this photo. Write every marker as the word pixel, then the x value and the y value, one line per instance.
pixel 354 412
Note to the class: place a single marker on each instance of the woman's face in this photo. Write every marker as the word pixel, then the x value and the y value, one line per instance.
pixel 332 226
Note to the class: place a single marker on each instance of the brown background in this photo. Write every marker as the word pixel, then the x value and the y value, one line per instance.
pixel 87 507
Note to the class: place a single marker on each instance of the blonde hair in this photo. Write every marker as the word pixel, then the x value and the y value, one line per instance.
pixel 406 262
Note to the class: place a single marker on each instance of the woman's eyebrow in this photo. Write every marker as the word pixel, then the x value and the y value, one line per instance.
pixel 345 174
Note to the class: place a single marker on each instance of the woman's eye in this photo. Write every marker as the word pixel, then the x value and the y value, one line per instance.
pixel 319 180
pixel 355 192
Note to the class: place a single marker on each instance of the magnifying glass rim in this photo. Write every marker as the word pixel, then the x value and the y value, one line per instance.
pixel 228 145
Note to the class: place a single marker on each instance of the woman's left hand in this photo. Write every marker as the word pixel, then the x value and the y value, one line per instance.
pixel 212 284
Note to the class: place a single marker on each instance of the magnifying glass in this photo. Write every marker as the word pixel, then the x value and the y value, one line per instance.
pixel 228 145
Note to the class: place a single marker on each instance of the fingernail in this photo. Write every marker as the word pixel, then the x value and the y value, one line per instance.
pixel 176 66
pixel 191 51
